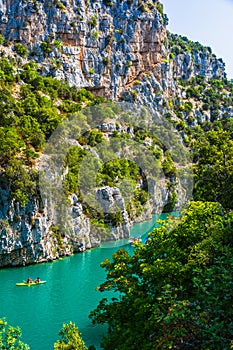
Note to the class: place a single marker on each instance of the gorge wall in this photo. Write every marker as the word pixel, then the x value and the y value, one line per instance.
pixel 105 45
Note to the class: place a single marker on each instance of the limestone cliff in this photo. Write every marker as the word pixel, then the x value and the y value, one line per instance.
pixel 107 46
pixel 28 234
pixel 102 45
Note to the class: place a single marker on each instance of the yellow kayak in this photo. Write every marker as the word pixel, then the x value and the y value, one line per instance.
pixel 25 284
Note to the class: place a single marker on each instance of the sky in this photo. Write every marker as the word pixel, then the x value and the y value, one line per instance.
pixel 208 21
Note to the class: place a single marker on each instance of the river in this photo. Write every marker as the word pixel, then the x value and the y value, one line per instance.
pixel 68 295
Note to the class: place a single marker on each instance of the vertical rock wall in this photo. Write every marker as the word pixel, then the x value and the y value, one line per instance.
pixel 104 47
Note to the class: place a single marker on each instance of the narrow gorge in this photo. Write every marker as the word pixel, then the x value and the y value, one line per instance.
pixel 65 58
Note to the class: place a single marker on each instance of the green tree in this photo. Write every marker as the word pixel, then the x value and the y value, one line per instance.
pixel 92 137
pixel 21 50
pixel 8 69
pixel 71 338
pixel 22 182
pixel 74 157
pixel 176 290
pixel 214 167
pixel 10 337
pixel 31 131
pixel 10 143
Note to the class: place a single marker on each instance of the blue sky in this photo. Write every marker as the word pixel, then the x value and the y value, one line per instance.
pixel 208 21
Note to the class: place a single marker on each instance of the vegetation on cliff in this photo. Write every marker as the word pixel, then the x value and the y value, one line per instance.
pixel 35 106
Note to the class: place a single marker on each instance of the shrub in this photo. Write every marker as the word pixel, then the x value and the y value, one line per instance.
pixel 45 46
pixel 159 7
pixel 95 35
pixel 21 50
pixel 70 338
pixel 10 337
pixel 57 43
pixel 92 21
pixel 105 60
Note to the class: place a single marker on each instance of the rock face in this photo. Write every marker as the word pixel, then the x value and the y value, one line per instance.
pixel 111 201
pixel 161 84
pixel 28 235
pixel 106 46
pixel 116 49
pixel 102 45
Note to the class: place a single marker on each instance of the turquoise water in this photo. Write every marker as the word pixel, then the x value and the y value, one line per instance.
pixel 68 295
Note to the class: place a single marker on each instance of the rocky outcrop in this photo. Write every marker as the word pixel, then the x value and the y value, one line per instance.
pixel 111 202
pixel 28 235
pixel 161 84
pixel 117 49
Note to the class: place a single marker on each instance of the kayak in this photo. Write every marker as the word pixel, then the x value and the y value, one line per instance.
pixel 25 284
pixel 135 239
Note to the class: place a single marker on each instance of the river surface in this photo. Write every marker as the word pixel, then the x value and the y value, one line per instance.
pixel 68 295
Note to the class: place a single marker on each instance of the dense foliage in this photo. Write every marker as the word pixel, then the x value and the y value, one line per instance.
pixel 214 166
pixel 210 137
pixel 10 337
pixel 204 117
pixel 175 292
pixel 71 339
pixel 179 44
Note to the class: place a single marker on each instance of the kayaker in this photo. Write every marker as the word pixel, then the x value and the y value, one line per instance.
pixel 29 280
pixel 37 280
